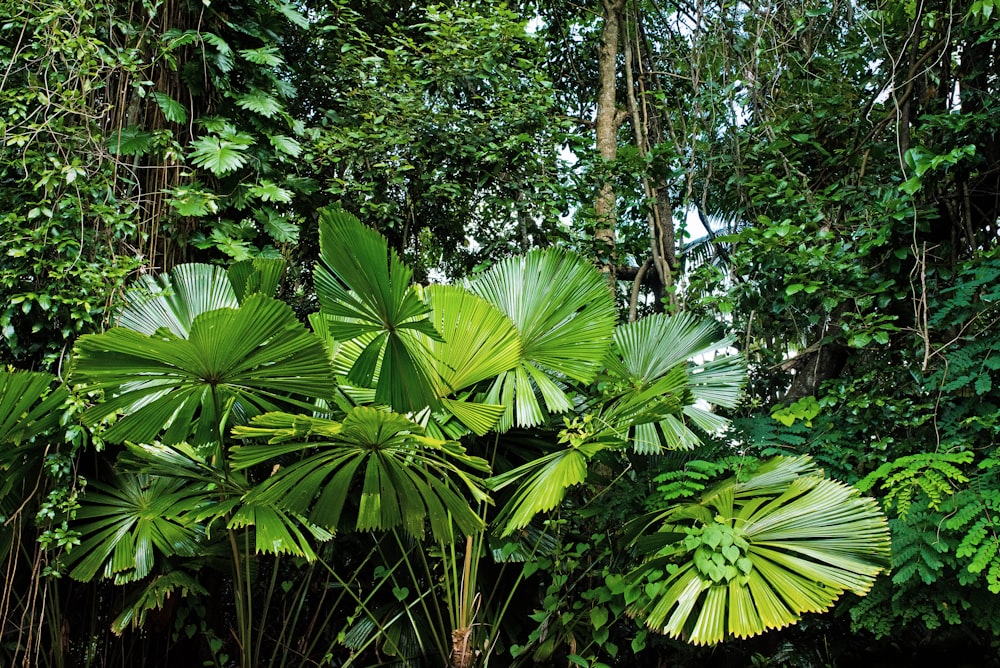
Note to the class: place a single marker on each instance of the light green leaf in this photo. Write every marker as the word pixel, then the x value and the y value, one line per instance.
pixel 218 155
pixel 286 145
pixel 259 102
pixel 268 191
pixel 565 318
pixel 800 542
pixel 234 363
pixel 265 55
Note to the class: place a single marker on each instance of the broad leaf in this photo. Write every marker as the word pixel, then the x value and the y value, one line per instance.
pixel 130 141
pixel 756 555
pixel 221 154
pixel 366 288
pixel 172 110
pixel 565 318
pixel 285 144
pixel 235 363
pixel 259 102
pixel 477 343
pixel 401 478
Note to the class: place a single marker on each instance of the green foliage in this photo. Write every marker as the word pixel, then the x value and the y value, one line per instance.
pixel 933 473
pixel 438 128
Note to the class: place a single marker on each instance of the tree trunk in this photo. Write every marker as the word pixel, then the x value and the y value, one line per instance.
pixel 606 124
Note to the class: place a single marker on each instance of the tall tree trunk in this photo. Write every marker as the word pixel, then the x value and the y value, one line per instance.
pixel 609 118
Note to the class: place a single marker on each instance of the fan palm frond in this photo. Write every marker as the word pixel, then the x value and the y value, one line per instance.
pixel 757 554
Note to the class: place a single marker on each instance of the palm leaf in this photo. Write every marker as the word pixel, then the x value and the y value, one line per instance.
pixel 366 288
pixel 655 383
pixel 277 531
pixel 122 527
pixel 399 477
pixel 565 317
pixel 174 300
pixel 543 481
pixel 234 364
pixel 29 408
pixel 153 597
pixel 259 275
pixel 757 554
pixel 477 343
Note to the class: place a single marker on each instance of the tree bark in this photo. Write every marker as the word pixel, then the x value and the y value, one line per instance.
pixel 606 126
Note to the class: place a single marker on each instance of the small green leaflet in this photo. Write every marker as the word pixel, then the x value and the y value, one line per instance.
pixel 218 155
pixel 259 102
pixel 130 141
pixel 172 110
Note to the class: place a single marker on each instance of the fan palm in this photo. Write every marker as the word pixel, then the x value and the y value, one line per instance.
pixel 29 408
pixel 192 361
pixel 755 554
pixel 565 317
pixel 652 391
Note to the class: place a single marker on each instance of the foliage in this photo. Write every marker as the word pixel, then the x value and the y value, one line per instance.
pixel 755 553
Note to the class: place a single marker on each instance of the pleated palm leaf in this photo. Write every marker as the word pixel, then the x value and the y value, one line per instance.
pixel 30 407
pixel 175 299
pixel 234 363
pixel 377 467
pixel 565 317
pixel 478 342
pixel 122 527
pixel 756 554
pixel 366 291
pixel 663 375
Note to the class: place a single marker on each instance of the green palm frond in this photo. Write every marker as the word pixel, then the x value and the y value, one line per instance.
pixel 546 480
pixel 757 554
pixel 277 531
pixel 477 343
pixel 29 408
pixel 124 526
pixel 259 275
pixel 398 476
pixel 565 316
pixel 366 288
pixel 543 481
pixel 235 363
pixel 174 300
pixel 153 597
pixel 657 373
